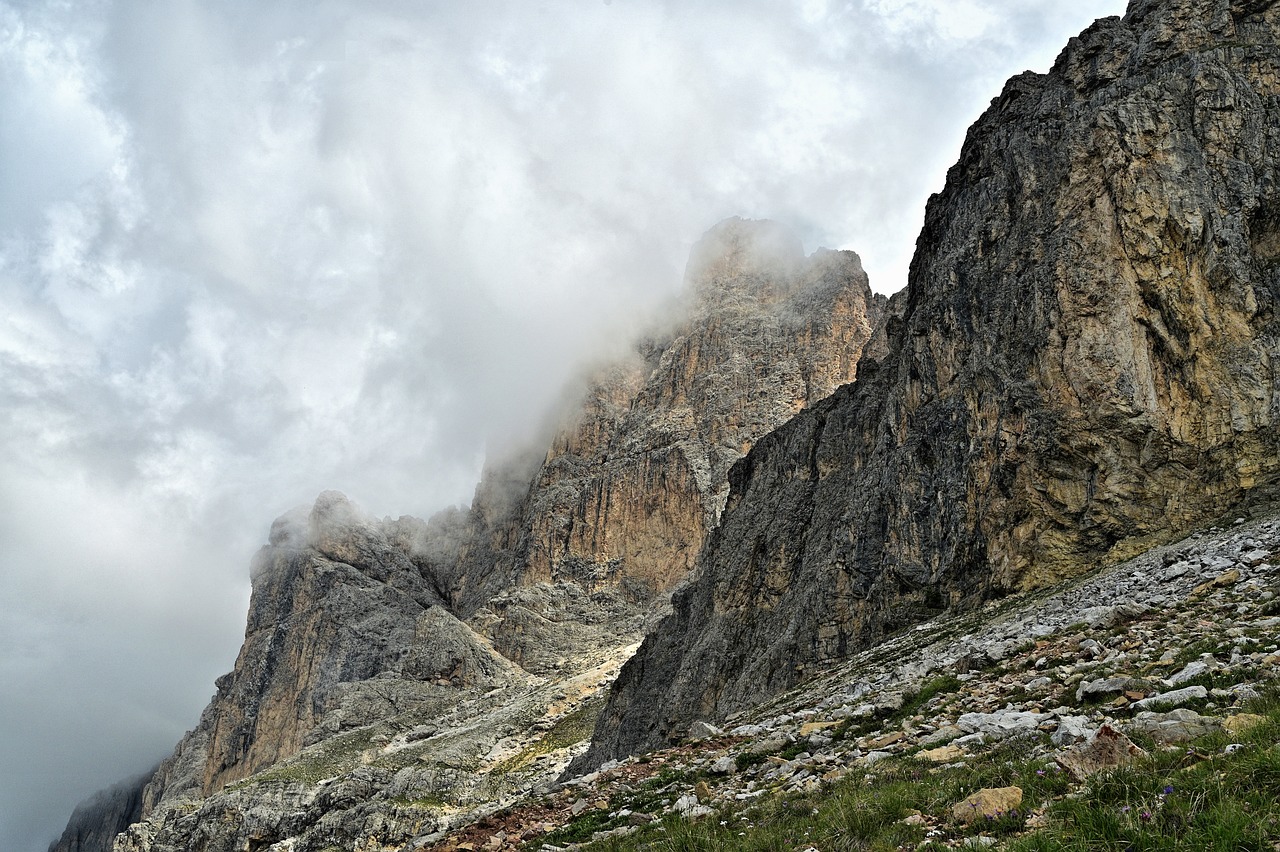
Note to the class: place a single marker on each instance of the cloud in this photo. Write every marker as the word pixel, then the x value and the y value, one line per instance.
pixel 253 250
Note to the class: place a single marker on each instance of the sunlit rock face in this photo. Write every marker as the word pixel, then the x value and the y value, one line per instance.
pixel 1087 365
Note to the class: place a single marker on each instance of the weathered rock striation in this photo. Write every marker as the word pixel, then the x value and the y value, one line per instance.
pixel 374 646
pixel 621 503
pixel 1086 366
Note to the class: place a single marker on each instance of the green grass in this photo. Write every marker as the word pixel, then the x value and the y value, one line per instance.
pixel 1192 797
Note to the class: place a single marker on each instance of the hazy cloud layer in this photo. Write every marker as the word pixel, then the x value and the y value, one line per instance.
pixel 252 250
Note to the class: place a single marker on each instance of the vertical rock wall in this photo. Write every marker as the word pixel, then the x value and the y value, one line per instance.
pixel 1087 365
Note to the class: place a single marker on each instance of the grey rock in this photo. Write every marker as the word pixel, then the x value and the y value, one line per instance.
pixel 724 766
pixel 1071 730
pixel 1188 672
pixel 1176 726
pixel 1001 724
pixel 701 730
pixel 1173 698
pixel 1110 686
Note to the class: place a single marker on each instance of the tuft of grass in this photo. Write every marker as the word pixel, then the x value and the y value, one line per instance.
pixel 1195 797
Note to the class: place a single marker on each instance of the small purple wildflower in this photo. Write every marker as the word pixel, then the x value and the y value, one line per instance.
pixel 1168 789
pixel 1145 816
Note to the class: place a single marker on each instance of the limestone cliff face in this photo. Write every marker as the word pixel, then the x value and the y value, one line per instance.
pixel 637 475
pixel 628 491
pixel 355 621
pixel 1087 364
pixel 344 627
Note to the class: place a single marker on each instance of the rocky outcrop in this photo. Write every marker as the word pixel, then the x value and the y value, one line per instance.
pixel 1086 365
pixel 363 634
pixel 338 600
pixel 620 505
pixel 96 822
pixel 856 735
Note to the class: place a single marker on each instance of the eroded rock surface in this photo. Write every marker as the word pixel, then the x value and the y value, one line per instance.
pixel 621 503
pixel 1086 366
pixel 380 643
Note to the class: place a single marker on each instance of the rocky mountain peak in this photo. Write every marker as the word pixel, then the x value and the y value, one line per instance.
pixel 540 589
pixel 744 259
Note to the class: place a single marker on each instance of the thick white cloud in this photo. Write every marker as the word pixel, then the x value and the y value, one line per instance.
pixel 252 250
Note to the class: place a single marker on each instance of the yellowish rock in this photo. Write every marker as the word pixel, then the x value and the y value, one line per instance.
pixel 882 741
pixel 943 754
pixel 991 802
pixel 815 727
pixel 1241 722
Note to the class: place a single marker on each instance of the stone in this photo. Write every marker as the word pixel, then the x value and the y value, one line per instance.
pixel 816 727
pixel 986 803
pixel 724 766
pixel 702 730
pixel 1071 730
pixel 942 735
pixel 1110 686
pixel 1173 698
pixel 883 741
pixel 1001 724
pixel 1242 723
pixel 1188 672
pixel 942 754
pixel 1106 749
pixel 1107 617
pixel 1176 726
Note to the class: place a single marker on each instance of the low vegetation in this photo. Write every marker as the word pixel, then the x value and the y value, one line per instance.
pixel 1219 792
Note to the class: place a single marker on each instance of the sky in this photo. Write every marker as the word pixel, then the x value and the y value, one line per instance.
pixel 255 249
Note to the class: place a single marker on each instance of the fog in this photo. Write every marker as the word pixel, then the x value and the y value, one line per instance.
pixel 254 250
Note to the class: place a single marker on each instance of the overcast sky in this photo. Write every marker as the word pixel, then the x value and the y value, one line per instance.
pixel 254 249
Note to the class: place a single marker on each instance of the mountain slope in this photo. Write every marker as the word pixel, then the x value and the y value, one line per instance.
pixel 374 647
pixel 1086 366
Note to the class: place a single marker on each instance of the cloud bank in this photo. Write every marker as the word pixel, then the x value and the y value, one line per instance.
pixel 253 250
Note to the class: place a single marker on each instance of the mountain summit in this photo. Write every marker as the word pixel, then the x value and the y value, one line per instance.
pixel 519 609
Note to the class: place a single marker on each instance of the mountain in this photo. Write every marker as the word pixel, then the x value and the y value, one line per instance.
pixel 374 648
pixel 1083 368
pixel 1086 367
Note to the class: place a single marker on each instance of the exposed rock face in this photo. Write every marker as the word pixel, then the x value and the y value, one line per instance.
pixel 337 600
pixel 357 624
pixel 622 502
pixel 1086 365
pixel 96 822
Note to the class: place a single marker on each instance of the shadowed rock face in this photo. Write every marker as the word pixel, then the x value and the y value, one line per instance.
pixel 337 599
pixel 1086 366
pixel 96 822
